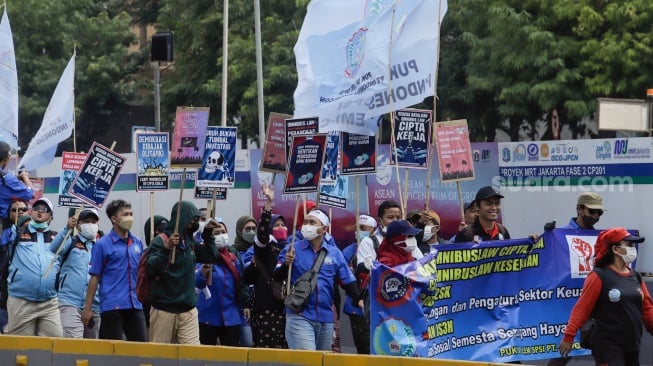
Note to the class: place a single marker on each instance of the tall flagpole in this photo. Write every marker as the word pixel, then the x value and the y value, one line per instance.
pixel 225 59
pixel 259 73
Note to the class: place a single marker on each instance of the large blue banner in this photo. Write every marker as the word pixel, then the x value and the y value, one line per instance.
pixel 498 301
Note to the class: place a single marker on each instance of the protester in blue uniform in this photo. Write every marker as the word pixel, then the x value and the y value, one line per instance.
pixel 12 188
pixel 221 301
pixel 17 210
pixel 312 327
pixel 32 304
pixel 360 326
pixel 114 267
pixel 73 277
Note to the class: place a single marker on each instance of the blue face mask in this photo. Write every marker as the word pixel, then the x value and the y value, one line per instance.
pixel 363 234
pixel 39 225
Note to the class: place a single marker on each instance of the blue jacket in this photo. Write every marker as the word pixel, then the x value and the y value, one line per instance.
pixel 223 308
pixel 12 189
pixel 115 261
pixel 73 275
pixel 318 306
pixel 31 260
pixel 349 307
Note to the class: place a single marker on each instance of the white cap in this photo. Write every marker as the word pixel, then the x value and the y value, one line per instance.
pixel 47 203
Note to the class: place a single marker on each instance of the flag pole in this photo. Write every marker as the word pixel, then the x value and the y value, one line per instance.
pixel 393 143
pixel 435 101
pixel 259 72
pixel 225 59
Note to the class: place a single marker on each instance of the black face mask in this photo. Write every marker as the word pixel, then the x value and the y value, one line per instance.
pixel 588 221
pixel 194 227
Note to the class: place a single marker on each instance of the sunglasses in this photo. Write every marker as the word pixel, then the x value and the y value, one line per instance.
pixel 249 229
pixel 40 208
pixel 595 211
pixel 22 209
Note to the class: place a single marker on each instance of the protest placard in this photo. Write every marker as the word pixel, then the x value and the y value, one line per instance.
pixel 306 156
pixel 274 153
pixel 299 127
pixel 454 151
pixel 98 175
pixel 358 154
pixel 207 193
pixel 71 162
pixel 412 135
pixel 188 137
pixel 219 163
pixel 152 161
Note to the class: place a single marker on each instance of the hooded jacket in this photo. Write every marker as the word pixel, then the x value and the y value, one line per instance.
pixel 173 286
pixel 146 227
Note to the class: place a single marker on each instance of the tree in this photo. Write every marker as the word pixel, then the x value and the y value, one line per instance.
pixel 45 35
pixel 528 58
pixel 196 78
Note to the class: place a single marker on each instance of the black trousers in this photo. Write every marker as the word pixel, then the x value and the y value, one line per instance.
pixel 360 331
pixel 224 336
pixel 130 323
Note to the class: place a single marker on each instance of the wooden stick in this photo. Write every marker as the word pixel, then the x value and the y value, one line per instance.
pixel 176 231
pixel 357 212
pixel 56 254
pixel 460 201
pixel 292 246
pixel 151 216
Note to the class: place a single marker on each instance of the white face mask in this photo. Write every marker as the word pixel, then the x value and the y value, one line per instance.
pixel 201 228
pixel 221 240
pixel 88 230
pixel 630 256
pixel 309 232
pixel 429 232
pixel 411 244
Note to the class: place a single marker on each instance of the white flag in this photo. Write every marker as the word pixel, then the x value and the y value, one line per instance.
pixel 358 59
pixel 58 122
pixel 8 85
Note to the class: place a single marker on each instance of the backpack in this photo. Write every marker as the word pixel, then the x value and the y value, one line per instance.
pixel 143 281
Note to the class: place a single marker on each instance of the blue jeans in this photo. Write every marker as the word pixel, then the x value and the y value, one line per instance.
pixel 302 333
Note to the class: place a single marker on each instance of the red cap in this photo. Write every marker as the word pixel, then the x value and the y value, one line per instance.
pixel 612 236
pixel 300 214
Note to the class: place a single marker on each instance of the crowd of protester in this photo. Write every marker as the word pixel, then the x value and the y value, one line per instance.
pixel 204 288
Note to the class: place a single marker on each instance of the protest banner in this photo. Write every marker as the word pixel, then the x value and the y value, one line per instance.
pixel 71 163
pixel 358 154
pixel 299 127
pixel 454 151
pixel 274 153
pixel 188 137
pixel 97 175
pixel 219 163
pixel 152 161
pixel 306 156
pixel 412 137
pixel 519 293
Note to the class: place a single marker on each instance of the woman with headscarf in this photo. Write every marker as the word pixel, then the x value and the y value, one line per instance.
pixel 223 298
pixel 245 233
pixel 618 300
pixel 268 315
